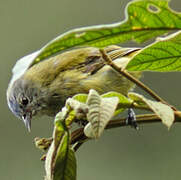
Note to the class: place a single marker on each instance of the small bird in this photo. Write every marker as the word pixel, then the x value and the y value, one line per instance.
pixel 43 88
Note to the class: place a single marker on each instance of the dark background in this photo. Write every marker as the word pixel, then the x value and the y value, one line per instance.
pixel 153 153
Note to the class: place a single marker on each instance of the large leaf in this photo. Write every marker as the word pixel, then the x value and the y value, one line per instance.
pixel 164 55
pixel 60 161
pixel 145 19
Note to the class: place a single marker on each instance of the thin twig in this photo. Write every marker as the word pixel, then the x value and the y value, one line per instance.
pixel 108 61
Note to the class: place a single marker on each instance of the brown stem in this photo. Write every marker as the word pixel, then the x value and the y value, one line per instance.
pixel 109 61
pixel 77 135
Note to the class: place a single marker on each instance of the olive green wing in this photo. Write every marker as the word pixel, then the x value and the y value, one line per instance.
pixel 93 63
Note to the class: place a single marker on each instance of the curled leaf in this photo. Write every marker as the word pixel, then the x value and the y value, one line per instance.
pixel 163 111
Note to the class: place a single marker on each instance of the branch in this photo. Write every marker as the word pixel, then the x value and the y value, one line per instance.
pixel 79 138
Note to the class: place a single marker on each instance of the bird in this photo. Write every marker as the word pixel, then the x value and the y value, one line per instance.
pixel 42 89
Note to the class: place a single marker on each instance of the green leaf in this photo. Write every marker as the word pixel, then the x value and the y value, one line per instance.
pixel 100 112
pixel 124 102
pixel 163 111
pixel 164 55
pixel 81 97
pixel 65 168
pixel 145 19
pixel 60 161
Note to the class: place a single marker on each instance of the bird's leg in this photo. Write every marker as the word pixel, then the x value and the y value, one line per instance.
pixel 131 119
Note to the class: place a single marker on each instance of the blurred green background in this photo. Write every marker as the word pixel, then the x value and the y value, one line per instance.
pixel 153 153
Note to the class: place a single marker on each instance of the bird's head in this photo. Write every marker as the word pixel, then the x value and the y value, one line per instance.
pixel 22 101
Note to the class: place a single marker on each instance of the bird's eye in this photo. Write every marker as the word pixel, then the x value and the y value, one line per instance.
pixel 24 101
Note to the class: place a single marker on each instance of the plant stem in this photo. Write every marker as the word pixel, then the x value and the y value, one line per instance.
pixel 109 61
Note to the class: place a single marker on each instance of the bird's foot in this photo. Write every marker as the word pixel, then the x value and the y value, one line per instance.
pixel 131 119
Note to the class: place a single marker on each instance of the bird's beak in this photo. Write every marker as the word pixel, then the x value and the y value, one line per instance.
pixel 27 120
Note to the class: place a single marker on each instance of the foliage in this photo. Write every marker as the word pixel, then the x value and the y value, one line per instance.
pixel 145 19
